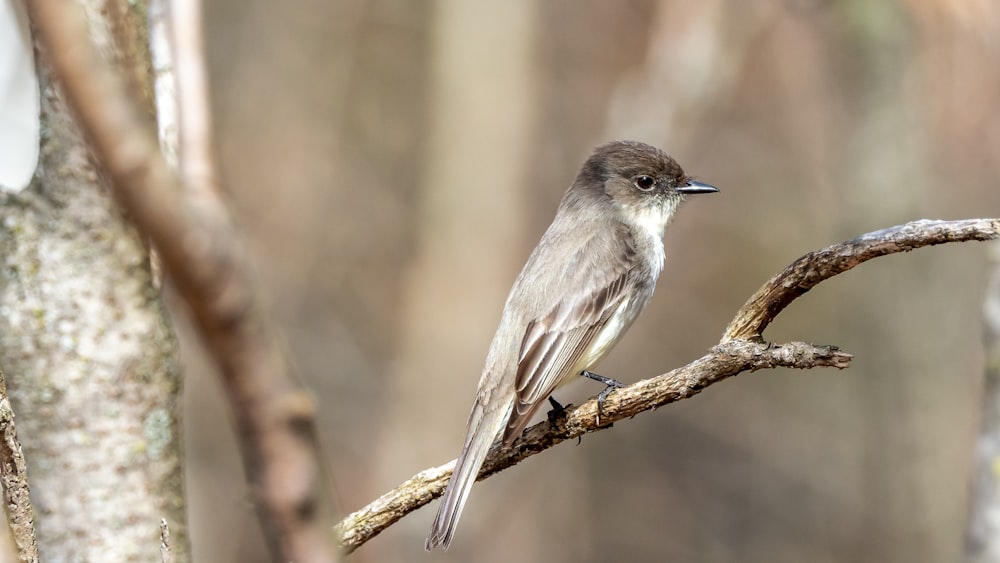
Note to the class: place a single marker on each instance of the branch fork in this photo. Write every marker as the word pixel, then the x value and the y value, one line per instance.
pixel 742 348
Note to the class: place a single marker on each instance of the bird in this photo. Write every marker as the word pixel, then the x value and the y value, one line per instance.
pixel 589 277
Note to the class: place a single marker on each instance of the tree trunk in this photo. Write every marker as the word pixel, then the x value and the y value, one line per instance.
pixel 90 358
pixel 983 540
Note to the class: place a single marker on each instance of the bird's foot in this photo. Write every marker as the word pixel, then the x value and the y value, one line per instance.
pixel 611 384
pixel 558 411
pixel 558 414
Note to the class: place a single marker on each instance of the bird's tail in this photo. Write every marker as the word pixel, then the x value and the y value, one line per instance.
pixel 484 425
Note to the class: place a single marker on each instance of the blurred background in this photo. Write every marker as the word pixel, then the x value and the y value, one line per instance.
pixel 392 163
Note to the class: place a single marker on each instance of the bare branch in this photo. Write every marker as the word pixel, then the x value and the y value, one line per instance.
pixel 723 361
pixel 14 479
pixel 166 549
pixel 197 161
pixel 202 253
pixel 741 349
pixel 803 274
pixel 161 55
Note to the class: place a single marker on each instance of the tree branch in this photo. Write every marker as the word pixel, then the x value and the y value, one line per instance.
pixel 202 253
pixel 166 547
pixel 14 479
pixel 741 349
pixel 196 158
pixel 803 274
pixel 723 361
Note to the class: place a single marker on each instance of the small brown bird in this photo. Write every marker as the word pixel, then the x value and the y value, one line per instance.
pixel 589 277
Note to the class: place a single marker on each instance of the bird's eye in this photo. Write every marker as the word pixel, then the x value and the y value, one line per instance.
pixel 645 183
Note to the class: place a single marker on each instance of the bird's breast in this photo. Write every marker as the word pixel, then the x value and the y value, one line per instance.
pixel 609 335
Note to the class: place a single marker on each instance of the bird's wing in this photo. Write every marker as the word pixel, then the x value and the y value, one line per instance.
pixel 554 342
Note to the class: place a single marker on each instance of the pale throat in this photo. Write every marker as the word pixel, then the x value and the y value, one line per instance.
pixel 652 219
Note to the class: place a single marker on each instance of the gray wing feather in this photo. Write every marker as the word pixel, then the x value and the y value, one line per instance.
pixel 554 343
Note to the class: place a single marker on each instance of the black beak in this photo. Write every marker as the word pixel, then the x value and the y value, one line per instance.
pixel 694 187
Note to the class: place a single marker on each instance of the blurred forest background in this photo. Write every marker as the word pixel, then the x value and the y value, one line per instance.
pixel 393 163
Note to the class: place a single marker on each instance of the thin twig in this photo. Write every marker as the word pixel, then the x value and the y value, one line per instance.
pixel 161 55
pixel 803 274
pixel 204 256
pixel 14 480
pixel 197 161
pixel 166 550
pixel 741 349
